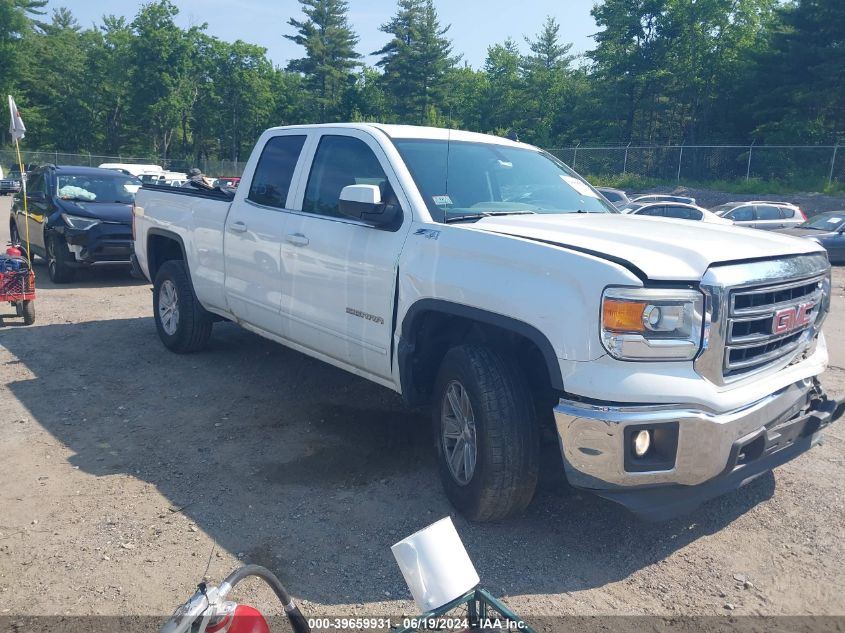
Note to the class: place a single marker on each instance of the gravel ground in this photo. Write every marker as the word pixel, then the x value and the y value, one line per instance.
pixel 126 470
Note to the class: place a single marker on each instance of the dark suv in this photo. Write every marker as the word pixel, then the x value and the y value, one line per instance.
pixel 11 182
pixel 78 216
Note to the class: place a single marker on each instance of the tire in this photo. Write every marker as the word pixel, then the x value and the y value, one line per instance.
pixel 507 446
pixel 28 312
pixel 59 260
pixel 186 326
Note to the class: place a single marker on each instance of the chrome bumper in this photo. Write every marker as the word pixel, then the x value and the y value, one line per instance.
pixel 593 444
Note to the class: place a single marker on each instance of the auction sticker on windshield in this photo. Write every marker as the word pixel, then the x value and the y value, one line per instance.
pixel 442 201
pixel 578 186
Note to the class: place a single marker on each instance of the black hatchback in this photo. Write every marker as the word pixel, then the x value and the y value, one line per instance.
pixel 78 216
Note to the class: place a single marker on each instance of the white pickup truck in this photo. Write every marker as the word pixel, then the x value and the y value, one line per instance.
pixel 673 360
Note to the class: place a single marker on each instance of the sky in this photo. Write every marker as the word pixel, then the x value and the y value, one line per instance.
pixel 476 24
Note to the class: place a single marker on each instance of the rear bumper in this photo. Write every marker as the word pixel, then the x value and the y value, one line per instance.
pixel 709 454
pixel 106 242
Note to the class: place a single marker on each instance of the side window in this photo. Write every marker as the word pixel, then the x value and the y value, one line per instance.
pixel 742 214
pixel 787 212
pixel 653 211
pixel 767 212
pixel 684 213
pixel 37 183
pixel 340 161
pixel 274 171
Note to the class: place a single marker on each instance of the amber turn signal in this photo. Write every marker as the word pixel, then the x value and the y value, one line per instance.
pixel 623 316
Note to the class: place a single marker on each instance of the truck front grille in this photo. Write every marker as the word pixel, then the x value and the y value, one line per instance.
pixel 767 323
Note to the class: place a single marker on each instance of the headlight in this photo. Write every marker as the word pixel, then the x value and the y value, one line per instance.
pixel 77 222
pixel 651 323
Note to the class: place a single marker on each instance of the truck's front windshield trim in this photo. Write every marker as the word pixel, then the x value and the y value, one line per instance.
pixel 466 181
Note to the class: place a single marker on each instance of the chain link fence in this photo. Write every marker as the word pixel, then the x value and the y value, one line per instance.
pixel 816 165
pixel 216 168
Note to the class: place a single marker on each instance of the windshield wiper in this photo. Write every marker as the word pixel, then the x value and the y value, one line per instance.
pixel 485 214
pixel 76 199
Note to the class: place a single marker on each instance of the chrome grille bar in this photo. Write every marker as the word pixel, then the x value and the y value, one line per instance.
pixel 742 300
pixel 751 341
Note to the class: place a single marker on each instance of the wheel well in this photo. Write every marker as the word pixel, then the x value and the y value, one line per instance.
pixel 162 248
pixel 428 334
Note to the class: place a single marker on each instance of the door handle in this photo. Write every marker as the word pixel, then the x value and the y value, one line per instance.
pixel 237 227
pixel 297 239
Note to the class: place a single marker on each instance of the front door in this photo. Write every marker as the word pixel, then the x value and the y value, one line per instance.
pixel 253 235
pixel 38 206
pixel 341 298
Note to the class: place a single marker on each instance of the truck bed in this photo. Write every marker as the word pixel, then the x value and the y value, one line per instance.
pixel 197 218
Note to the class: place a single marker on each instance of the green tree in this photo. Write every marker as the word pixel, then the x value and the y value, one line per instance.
pixel 627 64
pixel 546 74
pixel 164 78
pixel 330 58
pixel 109 70
pixel 800 78
pixel 416 61
pixel 56 61
pixel 501 107
pixel 16 20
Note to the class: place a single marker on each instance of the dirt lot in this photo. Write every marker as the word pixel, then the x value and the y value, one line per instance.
pixel 125 469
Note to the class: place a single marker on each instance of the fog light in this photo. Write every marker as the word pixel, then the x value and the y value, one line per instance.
pixel 642 442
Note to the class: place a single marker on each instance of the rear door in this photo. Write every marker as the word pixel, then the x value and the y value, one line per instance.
pixel 767 217
pixel 253 235
pixel 791 217
pixel 344 270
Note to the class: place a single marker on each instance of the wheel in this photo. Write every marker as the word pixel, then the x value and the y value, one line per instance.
pixel 58 260
pixel 487 435
pixel 27 311
pixel 183 324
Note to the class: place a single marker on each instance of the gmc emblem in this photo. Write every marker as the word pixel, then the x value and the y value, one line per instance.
pixel 792 318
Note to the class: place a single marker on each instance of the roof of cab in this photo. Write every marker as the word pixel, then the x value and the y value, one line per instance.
pixel 414 132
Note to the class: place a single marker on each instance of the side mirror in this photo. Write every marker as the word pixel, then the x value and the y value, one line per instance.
pixel 363 202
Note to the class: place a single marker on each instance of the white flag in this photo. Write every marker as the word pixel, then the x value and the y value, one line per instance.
pixel 16 126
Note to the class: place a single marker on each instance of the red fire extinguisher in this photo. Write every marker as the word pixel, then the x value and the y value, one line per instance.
pixel 208 611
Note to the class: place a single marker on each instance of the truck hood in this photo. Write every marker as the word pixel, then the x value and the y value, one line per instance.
pixel 661 248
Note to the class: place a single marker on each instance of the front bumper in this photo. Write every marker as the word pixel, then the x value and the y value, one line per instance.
pixel 714 452
pixel 105 242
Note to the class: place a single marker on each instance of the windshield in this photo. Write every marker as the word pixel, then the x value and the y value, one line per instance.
pixel 98 188
pixel 826 221
pixel 466 180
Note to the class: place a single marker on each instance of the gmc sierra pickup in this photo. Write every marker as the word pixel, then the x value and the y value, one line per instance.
pixel 673 360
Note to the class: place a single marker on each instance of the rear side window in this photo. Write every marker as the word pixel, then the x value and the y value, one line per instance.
pixel 340 161
pixel 742 214
pixel 683 213
pixel 787 212
pixel 274 172
pixel 767 212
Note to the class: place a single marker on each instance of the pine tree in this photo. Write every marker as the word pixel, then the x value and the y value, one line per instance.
pixel 416 61
pixel 330 57
pixel 545 74
pixel 548 52
pixel 15 23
